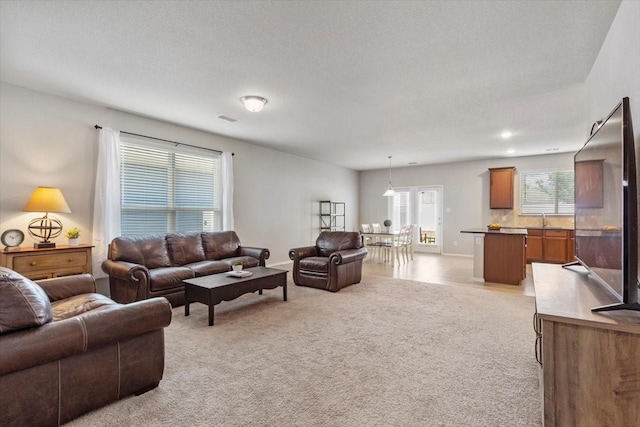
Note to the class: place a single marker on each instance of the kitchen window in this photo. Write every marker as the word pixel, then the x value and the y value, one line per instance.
pixel 548 192
pixel 167 188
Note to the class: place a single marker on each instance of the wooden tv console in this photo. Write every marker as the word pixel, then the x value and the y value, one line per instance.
pixel 590 362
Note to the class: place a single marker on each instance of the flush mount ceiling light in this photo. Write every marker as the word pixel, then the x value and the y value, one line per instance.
pixel 506 134
pixel 390 192
pixel 253 103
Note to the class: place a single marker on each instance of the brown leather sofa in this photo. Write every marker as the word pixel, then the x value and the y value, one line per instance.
pixel 150 266
pixel 66 350
pixel 332 264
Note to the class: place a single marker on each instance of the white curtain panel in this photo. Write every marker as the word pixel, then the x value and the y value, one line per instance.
pixel 227 191
pixel 106 205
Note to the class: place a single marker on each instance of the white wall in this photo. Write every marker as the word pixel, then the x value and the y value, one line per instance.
pixel 47 140
pixel 616 71
pixel 615 74
pixel 465 194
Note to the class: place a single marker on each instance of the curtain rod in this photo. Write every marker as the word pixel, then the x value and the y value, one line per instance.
pixel 166 140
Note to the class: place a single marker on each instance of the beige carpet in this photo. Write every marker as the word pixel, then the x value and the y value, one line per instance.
pixel 385 352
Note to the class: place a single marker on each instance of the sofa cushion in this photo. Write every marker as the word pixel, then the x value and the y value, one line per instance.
pixel 23 304
pixel 329 242
pixel 150 251
pixel 78 304
pixel 168 278
pixel 185 248
pixel 205 268
pixel 220 244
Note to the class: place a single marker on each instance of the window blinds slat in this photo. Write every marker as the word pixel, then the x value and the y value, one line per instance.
pixel 166 189
pixel 549 192
pixel 401 208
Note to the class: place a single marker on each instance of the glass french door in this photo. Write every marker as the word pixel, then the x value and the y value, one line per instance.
pixel 421 206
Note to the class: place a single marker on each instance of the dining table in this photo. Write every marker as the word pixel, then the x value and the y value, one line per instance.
pixel 385 243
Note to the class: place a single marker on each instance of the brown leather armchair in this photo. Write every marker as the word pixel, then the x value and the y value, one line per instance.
pixel 66 350
pixel 332 264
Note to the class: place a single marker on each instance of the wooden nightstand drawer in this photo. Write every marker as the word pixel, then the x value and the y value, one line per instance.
pixel 46 263
pixel 51 261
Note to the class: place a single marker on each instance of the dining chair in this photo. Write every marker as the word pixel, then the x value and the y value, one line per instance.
pixel 402 243
pixel 409 244
pixel 368 241
pixel 379 243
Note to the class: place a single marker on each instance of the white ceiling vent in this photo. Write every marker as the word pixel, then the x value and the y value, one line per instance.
pixel 227 118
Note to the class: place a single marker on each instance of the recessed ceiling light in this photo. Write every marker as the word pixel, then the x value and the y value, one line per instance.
pixel 506 134
pixel 511 151
pixel 253 103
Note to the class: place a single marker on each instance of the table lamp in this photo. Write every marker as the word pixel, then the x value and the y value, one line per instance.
pixel 46 199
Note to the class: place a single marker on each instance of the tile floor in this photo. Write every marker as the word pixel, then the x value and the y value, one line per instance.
pixel 442 269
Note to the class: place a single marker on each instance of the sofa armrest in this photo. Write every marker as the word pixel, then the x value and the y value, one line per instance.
pixel 67 286
pixel 347 255
pixel 79 334
pixel 303 252
pixel 261 254
pixel 121 322
pixel 123 270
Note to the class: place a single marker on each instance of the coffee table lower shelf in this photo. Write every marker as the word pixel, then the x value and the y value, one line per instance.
pixel 214 289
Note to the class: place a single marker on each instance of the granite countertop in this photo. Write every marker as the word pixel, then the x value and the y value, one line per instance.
pixel 538 228
pixel 503 230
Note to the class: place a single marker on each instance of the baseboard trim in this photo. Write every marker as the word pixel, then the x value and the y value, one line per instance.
pixel 280 264
pixel 460 255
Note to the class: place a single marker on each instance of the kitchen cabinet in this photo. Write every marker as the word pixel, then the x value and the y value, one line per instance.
pixel 501 188
pixel 552 246
pixel 504 258
pixel 590 193
pixel 601 251
pixel 534 245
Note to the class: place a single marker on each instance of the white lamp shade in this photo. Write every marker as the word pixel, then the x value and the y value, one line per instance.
pixel 390 192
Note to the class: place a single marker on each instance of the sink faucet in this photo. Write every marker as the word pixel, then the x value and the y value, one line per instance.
pixel 544 220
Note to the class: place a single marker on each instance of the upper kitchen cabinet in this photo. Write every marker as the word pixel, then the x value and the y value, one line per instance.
pixel 590 195
pixel 501 188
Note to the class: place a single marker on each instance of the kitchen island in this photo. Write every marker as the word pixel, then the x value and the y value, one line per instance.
pixel 499 255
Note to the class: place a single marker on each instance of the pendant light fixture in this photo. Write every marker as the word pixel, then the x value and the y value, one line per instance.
pixel 390 192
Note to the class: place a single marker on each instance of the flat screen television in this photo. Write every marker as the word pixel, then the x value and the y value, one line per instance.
pixel 606 208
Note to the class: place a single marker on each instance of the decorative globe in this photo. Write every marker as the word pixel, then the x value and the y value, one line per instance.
pixel 387 223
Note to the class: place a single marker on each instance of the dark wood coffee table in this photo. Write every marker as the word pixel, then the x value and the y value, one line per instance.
pixel 214 289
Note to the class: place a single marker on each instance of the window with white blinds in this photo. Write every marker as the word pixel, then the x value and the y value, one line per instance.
pixel 400 208
pixel 549 192
pixel 167 188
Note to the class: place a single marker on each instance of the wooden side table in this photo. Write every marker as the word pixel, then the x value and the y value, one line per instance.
pixel 39 264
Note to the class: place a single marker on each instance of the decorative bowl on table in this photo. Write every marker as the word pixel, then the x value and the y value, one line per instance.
pixel 493 226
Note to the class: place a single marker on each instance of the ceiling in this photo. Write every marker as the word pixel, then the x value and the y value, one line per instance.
pixel 349 82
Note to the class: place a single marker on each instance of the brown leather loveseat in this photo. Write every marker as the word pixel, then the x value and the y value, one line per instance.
pixel 332 264
pixel 150 266
pixel 66 350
